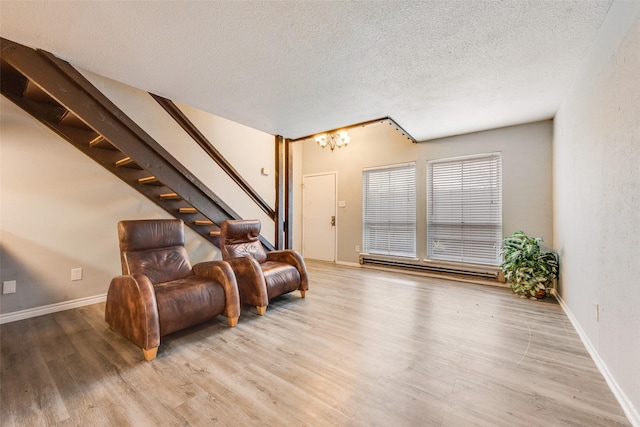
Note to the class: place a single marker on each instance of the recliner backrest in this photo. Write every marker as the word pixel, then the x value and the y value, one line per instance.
pixel 240 238
pixel 154 248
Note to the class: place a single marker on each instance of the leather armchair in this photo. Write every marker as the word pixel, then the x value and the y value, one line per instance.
pixel 159 291
pixel 261 276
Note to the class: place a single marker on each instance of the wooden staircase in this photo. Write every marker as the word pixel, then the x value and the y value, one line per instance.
pixel 57 95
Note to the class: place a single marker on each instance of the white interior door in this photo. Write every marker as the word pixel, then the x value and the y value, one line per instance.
pixel 319 217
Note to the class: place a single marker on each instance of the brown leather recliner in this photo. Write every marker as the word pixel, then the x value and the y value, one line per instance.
pixel 159 291
pixel 261 275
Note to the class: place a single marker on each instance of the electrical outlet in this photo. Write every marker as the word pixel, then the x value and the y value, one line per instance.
pixel 358 248
pixel 9 287
pixel 76 274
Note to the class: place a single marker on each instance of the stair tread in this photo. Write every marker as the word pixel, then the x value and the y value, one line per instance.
pixel 101 142
pixel 203 222
pixel 49 112
pixel 96 140
pixel 127 162
pixel 150 180
pixel 188 210
pixel 33 91
pixel 70 119
pixel 170 196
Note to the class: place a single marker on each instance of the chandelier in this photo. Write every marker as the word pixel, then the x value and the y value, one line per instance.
pixel 333 140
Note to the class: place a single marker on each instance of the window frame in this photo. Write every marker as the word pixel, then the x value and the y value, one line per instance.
pixel 476 220
pixel 396 247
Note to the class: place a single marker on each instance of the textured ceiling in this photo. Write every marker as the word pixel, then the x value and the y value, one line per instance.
pixel 295 68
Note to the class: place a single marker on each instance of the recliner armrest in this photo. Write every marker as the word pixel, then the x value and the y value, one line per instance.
pixel 251 284
pixel 289 256
pixel 222 273
pixel 132 311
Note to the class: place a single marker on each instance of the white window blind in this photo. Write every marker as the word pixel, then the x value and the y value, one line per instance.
pixel 389 210
pixel 464 209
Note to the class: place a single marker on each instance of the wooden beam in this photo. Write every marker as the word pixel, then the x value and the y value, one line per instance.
pixel 280 191
pixel 288 194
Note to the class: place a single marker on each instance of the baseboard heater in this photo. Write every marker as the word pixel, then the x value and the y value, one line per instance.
pixel 461 270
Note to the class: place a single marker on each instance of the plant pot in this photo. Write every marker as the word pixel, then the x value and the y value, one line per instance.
pixel 541 293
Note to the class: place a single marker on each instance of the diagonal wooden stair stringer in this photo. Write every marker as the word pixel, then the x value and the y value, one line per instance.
pixel 57 95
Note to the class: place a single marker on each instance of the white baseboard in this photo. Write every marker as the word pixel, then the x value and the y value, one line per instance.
pixel 51 308
pixel 627 406
pixel 348 264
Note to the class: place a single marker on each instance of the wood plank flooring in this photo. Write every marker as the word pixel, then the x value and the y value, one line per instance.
pixel 365 348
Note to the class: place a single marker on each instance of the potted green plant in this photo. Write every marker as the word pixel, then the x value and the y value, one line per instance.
pixel 528 270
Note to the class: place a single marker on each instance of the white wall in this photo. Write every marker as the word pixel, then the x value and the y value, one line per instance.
pixel 597 201
pixel 526 158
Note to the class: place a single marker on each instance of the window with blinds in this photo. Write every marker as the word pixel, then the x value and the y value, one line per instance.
pixel 464 209
pixel 389 210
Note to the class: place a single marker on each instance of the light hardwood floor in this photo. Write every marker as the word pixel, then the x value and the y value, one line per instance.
pixel 365 348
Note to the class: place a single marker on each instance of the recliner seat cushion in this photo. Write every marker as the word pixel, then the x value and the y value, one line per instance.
pixel 188 301
pixel 280 278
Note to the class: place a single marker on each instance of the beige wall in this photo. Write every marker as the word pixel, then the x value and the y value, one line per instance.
pixel 526 157
pixel 597 202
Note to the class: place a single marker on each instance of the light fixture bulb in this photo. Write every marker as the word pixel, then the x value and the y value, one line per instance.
pixel 322 140
pixel 333 140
